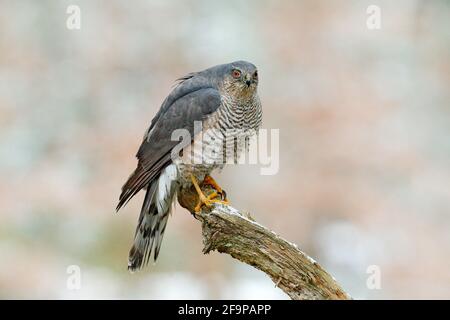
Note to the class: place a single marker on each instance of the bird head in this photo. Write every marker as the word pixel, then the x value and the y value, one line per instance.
pixel 242 76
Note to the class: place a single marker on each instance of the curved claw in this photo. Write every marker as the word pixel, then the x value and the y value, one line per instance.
pixel 223 195
pixel 209 201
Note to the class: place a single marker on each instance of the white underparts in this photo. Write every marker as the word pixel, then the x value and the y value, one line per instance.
pixel 166 188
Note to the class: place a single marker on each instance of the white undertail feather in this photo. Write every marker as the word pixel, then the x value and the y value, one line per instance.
pixel 166 186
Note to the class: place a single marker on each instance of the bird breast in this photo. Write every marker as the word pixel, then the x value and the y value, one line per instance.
pixel 224 137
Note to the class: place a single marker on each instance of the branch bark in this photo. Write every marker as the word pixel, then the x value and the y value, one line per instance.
pixel 227 230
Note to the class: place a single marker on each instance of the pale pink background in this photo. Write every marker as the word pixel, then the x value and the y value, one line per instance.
pixel 364 119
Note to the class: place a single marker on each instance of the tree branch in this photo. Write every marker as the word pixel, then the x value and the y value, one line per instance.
pixel 227 230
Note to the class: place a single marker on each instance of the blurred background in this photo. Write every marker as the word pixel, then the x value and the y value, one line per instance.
pixel 364 119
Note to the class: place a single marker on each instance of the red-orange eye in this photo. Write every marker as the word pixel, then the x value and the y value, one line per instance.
pixel 236 74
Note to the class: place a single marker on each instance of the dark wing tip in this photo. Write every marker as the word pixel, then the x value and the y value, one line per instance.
pixel 124 197
pixel 136 181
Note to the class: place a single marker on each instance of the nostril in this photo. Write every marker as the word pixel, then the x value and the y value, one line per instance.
pixel 248 82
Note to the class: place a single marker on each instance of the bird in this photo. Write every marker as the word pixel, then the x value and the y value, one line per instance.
pixel 224 100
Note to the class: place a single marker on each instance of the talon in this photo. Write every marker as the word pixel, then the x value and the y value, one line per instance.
pixel 210 199
pixel 224 195
pixel 213 195
pixel 209 181
pixel 202 199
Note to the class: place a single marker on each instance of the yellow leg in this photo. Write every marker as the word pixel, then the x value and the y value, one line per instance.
pixel 202 199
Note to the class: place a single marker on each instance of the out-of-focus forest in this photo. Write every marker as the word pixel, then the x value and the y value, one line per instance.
pixel 364 119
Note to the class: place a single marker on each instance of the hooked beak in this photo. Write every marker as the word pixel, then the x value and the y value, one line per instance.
pixel 248 80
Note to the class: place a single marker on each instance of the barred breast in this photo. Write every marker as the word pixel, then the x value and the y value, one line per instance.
pixel 225 135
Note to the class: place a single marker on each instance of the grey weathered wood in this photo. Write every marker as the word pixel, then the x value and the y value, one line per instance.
pixel 228 231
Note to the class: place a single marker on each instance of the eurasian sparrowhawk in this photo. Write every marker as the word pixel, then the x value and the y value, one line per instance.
pixel 224 100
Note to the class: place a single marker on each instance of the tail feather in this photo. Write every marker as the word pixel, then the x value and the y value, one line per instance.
pixel 152 220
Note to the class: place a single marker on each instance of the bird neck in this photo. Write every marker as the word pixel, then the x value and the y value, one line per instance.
pixel 240 97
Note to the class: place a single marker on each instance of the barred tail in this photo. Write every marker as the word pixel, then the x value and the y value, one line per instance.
pixel 153 219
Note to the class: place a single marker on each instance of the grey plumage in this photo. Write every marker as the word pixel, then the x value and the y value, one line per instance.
pixel 221 101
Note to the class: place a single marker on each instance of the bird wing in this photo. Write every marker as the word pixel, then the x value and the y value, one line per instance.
pixel 191 101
